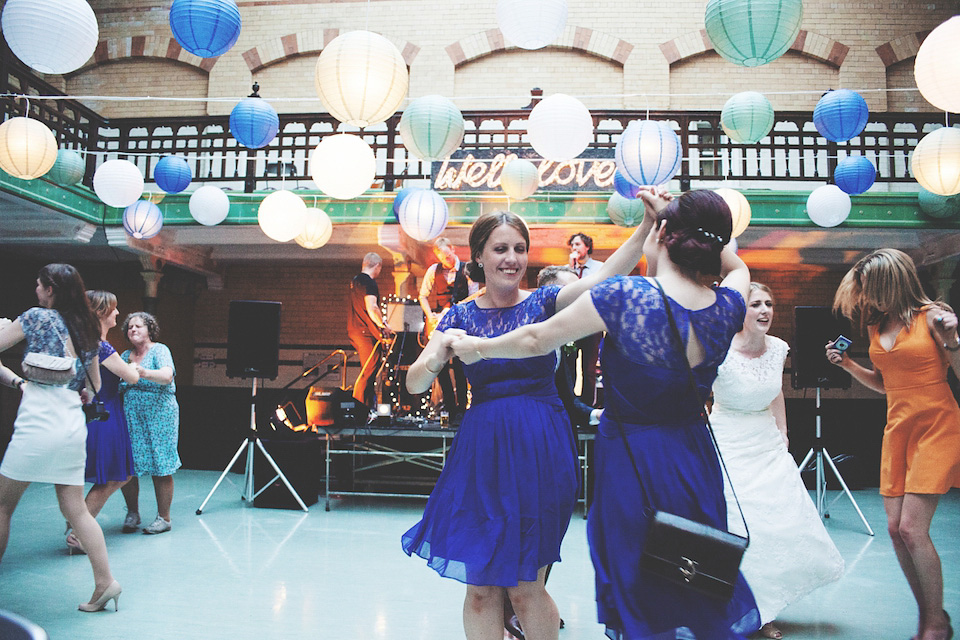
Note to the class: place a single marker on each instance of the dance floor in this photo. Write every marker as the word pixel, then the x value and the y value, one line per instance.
pixel 238 572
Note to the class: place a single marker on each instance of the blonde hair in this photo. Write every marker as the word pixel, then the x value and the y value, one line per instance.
pixel 759 286
pixel 102 302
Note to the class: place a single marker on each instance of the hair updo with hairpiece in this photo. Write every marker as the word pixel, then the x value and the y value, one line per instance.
pixel 698 226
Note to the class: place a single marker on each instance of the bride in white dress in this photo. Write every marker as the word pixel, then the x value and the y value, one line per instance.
pixel 790 553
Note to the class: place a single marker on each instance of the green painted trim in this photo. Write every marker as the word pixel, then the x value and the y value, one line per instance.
pixel 78 201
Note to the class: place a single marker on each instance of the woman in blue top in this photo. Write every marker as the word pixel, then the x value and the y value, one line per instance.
pixel 648 397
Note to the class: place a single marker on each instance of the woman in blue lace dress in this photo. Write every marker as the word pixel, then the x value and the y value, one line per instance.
pixel 650 405
pixel 502 504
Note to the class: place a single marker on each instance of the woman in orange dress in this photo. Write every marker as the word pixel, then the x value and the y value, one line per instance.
pixel 912 341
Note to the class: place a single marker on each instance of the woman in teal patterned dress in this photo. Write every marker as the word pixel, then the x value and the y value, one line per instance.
pixel 153 417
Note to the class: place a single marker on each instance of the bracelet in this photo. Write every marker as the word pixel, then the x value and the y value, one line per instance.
pixel 955 347
pixel 19 384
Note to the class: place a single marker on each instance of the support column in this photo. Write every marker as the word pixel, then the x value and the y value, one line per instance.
pixel 151 274
pixel 944 278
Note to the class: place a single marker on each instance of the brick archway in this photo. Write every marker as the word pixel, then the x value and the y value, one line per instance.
pixel 582 39
pixel 305 42
pixel 902 48
pixel 134 47
pixel 809 44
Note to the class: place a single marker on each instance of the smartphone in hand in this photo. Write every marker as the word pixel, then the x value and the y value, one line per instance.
pixel 842 343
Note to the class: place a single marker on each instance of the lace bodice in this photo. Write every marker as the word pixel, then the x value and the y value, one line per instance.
pixel 751 384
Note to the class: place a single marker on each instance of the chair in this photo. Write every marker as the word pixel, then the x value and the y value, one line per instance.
pixel 14 627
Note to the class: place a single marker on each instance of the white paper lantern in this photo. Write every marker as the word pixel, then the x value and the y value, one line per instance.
pixel 423 215
pixel 431 127
pixel 317 230
pixel 936 66
pixel 142 219
pixel 361 78
pixel 648 153
pixel 531 24
pixel 51 36
pixel 118 183
pixel 28 149
pixel 828 206
pixel 282 215
pixel 209 205
pixel 520 179
pixel 739 209
pixel 343 166
pixel 625 212
pixel 935 162
pixel 560 127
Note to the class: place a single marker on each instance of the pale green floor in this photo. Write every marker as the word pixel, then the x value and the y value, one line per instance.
pixel 237 572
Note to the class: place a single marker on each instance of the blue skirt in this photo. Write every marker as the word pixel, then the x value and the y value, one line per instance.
pixel 109 455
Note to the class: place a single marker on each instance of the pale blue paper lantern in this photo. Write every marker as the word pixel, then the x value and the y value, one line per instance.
pixel 648 153
pixel 520 179
pixel 753 32
pixel 423 215
pixel 625 212
pixel 855 174
pixel 399 198
pixel 51 36
pixel 142 219
pixel 172 174
pixel 623 186
pixel 840 115
pixel 747 117
pixel 205 28
pixel 937 206
pixel 68 169
pixel 431 127
pixel 254 123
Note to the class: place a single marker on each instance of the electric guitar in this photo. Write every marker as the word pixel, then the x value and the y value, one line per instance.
pixel 431 322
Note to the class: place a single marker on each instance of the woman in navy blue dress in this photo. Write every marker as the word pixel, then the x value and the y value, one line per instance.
pixel 647 392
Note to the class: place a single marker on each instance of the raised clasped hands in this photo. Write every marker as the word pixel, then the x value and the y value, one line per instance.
pixel 462 345
pixel 654 199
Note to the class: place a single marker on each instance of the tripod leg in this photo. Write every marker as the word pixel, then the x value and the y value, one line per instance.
pixel 847 491
pixel 282 477
pixel 222 476
pixel 806 459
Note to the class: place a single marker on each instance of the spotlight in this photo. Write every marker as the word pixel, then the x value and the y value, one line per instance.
pixel 384 413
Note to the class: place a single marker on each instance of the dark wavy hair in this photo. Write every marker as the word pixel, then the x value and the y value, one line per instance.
pixel 480 233
pixel 585 239
pixel 70 301
pixel 698 227
pixel 153 327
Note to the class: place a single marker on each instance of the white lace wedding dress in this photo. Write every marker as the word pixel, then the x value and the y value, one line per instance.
pixel 790 553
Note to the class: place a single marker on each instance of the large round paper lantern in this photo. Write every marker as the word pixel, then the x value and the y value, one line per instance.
pixel 361 78
pixel 531 24
pixel 937 206
pixel 254 123
pixel 68 169
pixel 520 179
pixel 752 32
pixel 935 162
pixel 343 166
pixel 51 36
pixel 399 198
pixel 623 186
pixel 423 215
pixel 740 211
pixel 282 215
pixel 28 149
pixel 855 174
pixel 560 127
pixel 625 212
pixel 205 28
pixel 747 117
pixel 648 152
pixel 317 229
pixel 840 115
pixel 431 127
pixel 172 174
pixel 828 206
pixel 935 67
pixel 142 219
pixel 118 183
pixel 209 205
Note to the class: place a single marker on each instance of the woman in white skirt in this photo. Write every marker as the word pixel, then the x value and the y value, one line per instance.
pixel 49 434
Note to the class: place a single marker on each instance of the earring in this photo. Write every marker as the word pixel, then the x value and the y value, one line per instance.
pixel 480 264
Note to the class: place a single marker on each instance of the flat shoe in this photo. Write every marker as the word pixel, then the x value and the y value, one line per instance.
pixel 770 631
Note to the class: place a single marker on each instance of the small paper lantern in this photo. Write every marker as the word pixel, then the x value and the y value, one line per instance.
pixel 935 162
pixel 282 215
pixel 740 212
pixel 937 206
pixel 118 183
pixel 361 78
pixel 431 127
pixel 172 174
pixel 316 231
pixel 254 123
pixel 531 24
pixel 520 179
pixel 828 206
pixel 648 153
pixel 752 32
pixel 142 219
pixel 840 115
pixel 343 166
pixel 623 186
pixel 68 169
pixel 51 36
pixel 936 64
pixel 747 117
pixel 854 174
pixel 625 212
pixel 560 127
pixel 205 28
pixel 209 205
pixel 423 215
pixel 401 195
pixel 28 149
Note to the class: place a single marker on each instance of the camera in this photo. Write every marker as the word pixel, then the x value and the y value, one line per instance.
pixel 95 412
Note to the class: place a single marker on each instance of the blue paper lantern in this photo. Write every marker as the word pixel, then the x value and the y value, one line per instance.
pixel 854 174
pixel 624 187
pixel 172 174
pixel 648 153
pixel 840 115
pixel 142 219
pixel 423 215
pixel 205 28
pixel 752 32
pixel 68 169
pixel 254 123
pixel 399 198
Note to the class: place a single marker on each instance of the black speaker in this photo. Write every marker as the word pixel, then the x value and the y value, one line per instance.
pixel 301 462
pixel 334 407
pixel 815 327
pixel 253 339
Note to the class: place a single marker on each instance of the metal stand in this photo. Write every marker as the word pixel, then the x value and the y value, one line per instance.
pixel 252 441
pixel 822 455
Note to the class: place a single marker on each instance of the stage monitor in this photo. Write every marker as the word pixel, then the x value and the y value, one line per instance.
pixel 814 327
pixel 253 339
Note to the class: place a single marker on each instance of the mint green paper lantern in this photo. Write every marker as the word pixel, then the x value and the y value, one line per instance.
pixel 937 206
pixel 747 117
pixel 625 212
pixel 68 169
pixel 752 33
pixel 432 127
